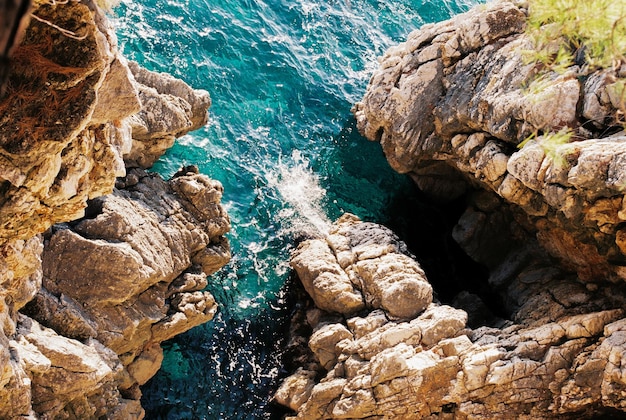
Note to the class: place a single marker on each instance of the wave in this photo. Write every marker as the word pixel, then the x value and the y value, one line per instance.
pixel 303 196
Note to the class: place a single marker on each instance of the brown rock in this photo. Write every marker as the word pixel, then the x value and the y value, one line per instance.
pixel 296 389
pixel 150 295
pixel 153 238
pixel 325 281
pixel 472 112
pixel 324 342
pixel 66 124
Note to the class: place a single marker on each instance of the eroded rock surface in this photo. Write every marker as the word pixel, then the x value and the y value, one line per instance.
pixel 561 356
pixel 361 265
pixel 85 303
pixel 170 108
pixel 451 105
pixel 164 239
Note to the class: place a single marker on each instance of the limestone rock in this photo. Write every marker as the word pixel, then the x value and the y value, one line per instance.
pixel 68 117
pixel 147 230
pixel 324 279
pixel 567 199
pixel 451 105
pixel 324 342
pixel 53 156
pixel 361 265
pixel 128 275
pixel 53 374
pixel 296 389
pixel 169 109
pixel 68 369
pixel 127 309
pixel 562 357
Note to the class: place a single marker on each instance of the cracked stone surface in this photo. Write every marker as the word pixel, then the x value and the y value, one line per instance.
pixel 450 107
pixel 361 265
pixel 97 265
pixel 153 291
pixel 559 356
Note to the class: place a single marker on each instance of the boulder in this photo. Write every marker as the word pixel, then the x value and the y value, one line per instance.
pixel 361 265
pixel 559 357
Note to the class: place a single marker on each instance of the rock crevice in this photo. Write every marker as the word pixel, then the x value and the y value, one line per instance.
pixel 558 358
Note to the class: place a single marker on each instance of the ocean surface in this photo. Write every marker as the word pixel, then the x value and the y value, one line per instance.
pixel 283 76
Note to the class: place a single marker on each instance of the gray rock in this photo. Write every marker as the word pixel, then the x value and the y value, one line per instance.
pixel 129 275
pixel 361 265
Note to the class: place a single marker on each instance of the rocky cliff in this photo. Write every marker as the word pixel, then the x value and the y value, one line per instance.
pixel 451 108
pixel 100 260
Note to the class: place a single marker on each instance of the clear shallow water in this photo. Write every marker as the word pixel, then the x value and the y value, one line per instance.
pixel 283 76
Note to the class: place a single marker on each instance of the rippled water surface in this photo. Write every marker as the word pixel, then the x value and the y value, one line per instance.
pixel 283 76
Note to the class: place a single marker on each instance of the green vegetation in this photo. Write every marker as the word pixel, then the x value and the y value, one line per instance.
pixel 586 32
pixel 576 37
pixel 550 142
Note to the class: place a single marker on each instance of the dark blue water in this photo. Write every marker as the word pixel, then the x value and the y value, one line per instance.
pixel 283 76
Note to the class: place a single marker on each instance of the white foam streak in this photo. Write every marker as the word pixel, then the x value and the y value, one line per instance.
pixel 302 193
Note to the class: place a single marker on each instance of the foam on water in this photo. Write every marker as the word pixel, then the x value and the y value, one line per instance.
pixel 302 194
pixel 283 75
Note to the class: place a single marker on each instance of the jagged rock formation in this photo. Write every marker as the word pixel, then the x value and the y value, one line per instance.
pixel 561 358
pixel 130 274
pixel 450 107
pixel 361 265
pixel 85 304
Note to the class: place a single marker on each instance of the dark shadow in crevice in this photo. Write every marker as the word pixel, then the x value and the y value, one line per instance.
pixel 93 209
pixel 426 225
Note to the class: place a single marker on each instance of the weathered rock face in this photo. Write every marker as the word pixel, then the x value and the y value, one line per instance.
pixel 164 239
pixel 451 105
pixel 52 159
pixel 73 113
pixel 450 108
pixel 361 265
pixel 560 357
pixel 170 108
pixel 115 285
pixel 97 295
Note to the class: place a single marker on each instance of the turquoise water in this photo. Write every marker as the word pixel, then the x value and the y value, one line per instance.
pixel 283 77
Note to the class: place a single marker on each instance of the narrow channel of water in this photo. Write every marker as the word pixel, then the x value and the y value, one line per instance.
pixel 283 76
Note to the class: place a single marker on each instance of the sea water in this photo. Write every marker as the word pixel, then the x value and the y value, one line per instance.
pixel 283 76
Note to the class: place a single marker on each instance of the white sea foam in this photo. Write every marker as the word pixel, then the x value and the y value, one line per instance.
pixel 303 195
